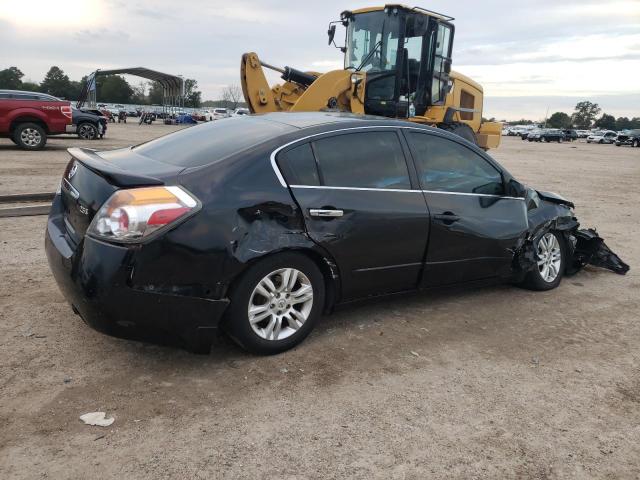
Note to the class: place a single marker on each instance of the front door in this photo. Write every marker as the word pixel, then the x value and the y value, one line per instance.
pixel 474 226
pixel 358 201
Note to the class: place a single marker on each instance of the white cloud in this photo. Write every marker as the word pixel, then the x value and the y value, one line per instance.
pixel 522 49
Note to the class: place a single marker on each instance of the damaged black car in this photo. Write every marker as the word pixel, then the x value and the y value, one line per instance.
pixel 260 224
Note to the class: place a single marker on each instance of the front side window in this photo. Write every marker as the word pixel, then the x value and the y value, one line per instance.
pixel 363 160
pixel 447 166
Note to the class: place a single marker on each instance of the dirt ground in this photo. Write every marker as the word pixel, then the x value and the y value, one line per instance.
pixel 489 383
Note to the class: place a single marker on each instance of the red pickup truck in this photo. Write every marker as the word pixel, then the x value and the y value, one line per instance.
pixel 27 118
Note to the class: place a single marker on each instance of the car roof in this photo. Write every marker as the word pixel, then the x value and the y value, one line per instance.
pixel 28 92
pixel 307 120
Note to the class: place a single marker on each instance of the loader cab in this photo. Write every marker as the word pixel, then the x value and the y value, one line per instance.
pixel 406 55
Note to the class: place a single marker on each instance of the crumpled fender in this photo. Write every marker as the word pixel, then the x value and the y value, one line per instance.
pixel 590 249
pixel 582 246
pixel 555 198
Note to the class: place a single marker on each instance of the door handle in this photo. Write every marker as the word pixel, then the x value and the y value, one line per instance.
pixel 325 212
pixel 447 218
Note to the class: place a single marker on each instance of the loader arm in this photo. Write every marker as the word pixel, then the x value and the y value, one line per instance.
pixel 341 90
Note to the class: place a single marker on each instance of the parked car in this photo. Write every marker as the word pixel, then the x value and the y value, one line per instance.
pixel 89 124
pixel 525 134
pixel 241 111
pixel 570 135
pixel 602 136
pixel 215 114
pixel 582 133
pixel 546 135
pixel 534 135
pixel 629 137
pixel 28 118
pixel 259 225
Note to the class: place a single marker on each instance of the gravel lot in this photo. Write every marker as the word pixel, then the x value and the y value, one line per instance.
pixel 489 383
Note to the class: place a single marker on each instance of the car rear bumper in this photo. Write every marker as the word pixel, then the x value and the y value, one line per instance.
pixel 95 278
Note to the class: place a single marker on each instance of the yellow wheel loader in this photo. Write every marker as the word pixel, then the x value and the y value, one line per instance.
pixel 397 63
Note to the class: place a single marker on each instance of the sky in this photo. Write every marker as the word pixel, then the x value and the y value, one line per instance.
pixel 530 57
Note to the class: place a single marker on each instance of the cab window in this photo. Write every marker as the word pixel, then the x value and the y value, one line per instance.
pixel 447 166
pixel 363 160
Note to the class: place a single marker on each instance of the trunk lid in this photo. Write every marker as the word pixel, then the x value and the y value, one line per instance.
pixel 90 178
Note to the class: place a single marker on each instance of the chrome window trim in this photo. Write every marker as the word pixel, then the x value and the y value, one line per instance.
pixel 276 169
pixel 274 165
pixel 324 187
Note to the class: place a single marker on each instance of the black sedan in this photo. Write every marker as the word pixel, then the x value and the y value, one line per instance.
pixel 628 137
pixel 259 224
pixel 88 124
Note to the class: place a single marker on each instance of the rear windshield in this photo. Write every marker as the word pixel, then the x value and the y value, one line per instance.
pixel 211 142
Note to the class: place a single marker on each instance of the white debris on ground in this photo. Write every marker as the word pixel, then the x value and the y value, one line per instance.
pixel 99 419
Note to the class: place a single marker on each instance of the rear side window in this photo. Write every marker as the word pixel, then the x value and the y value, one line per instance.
pixel 363 160
pixel 299 166
pixel 446 166
pixel 211 142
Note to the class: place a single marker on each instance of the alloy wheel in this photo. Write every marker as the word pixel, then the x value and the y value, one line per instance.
pixel 549 257
pixel 280 304
pixel 30 137
pixel 86 132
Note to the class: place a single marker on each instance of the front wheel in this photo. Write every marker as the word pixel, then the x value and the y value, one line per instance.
pixel 550 263
pixel 87 131
pixel 275 304
pixel 636 143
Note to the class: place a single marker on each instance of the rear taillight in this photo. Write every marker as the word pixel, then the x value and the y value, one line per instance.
pixel 134 214
pixel 66 111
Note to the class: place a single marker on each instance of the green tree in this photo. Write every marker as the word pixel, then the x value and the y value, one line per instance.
pixel 193 97
pixel 30 86
pixel 623 123
pixel 559 120
pixel 56 83
pixel 606 122
pixel 11 78
pixel 139 96
pixel 635 123
pixel 113 89
pixel 156 93
pixel 585 113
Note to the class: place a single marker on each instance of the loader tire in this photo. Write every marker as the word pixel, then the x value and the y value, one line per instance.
pixel 461 129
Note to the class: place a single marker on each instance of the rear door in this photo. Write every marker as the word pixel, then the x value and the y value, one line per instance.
pixel 362 205
pixel 474 226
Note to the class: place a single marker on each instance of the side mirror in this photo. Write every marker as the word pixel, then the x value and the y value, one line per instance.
pixel 447 66
pixel 332 33
pixel 516 189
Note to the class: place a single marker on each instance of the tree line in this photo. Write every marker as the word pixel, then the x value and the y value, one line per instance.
pixel 110 88
pixel 585 115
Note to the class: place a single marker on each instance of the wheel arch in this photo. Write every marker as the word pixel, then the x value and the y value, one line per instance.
pixel 27 119
pixel 325 263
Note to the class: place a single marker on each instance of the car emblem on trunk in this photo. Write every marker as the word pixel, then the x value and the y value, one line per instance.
pixel 73 171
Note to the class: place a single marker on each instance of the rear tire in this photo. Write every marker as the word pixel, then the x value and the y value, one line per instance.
pixel 283 315
pixel 30 136
pixel 551 261
pixel 461 129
